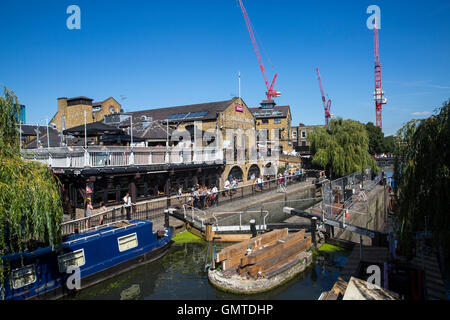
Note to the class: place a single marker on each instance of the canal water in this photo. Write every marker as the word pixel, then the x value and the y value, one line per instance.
pixel 180 275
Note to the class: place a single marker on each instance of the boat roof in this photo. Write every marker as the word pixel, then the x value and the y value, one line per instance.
pixel 90 235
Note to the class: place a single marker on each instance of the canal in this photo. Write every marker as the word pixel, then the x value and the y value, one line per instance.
pixel 180 275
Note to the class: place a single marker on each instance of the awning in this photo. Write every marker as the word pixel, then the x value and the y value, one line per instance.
pixel 94 129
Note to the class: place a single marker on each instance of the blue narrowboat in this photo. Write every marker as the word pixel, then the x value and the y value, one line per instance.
pixel 84 259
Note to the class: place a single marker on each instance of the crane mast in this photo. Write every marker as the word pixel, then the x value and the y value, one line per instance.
pixel 269 87
pixel 326 105
pixel 378 93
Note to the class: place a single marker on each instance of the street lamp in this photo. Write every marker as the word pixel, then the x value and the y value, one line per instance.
pixel 131 121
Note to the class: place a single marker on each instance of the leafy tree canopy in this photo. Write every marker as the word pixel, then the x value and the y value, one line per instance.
pixel 376 139
pixel 422 174
pixel 343 147
pixel 30 204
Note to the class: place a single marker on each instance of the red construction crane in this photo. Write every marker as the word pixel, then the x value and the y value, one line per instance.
pixel 270 91
pixel 378 93
pixel 326 105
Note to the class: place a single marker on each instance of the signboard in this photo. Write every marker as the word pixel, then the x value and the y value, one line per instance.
pixel 239 108
pixel 89 188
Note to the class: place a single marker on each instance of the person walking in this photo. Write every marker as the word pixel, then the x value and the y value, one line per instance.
pixel 259 182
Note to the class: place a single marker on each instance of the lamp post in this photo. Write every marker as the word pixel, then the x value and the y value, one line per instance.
pixel 85 131
pixel 131 122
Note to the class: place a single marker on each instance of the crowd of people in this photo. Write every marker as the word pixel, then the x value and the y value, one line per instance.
pixel 198 196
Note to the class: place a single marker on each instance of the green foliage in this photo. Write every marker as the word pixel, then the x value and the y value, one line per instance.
pixel 389 144
pixel 342 147
pixel 423 178
pixel 30 204
pixel 376 139
pixel 378 143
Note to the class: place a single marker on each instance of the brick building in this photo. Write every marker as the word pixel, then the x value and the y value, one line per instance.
pixel 71 111
pixel 274 120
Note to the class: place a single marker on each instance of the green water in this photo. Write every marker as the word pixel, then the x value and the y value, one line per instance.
pixel 180 275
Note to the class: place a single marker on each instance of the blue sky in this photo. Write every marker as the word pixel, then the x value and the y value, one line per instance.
pixel 162 53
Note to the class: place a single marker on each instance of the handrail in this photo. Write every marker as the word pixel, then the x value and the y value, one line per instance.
pixel 105 232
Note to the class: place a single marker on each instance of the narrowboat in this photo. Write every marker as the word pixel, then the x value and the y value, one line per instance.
pixel 84 259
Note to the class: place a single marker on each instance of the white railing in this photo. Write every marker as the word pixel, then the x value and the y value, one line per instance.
pixel 78 157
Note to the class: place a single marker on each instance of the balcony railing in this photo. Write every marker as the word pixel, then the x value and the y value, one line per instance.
pixel 79 157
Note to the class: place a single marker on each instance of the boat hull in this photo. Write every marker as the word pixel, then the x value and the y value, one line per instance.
pixel 106 274
pixel 91 257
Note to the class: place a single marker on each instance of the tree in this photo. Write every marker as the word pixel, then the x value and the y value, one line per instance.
pixel 389 144
pixel 422 175
pixel 342 148
pixel 376 139
pixel 30 203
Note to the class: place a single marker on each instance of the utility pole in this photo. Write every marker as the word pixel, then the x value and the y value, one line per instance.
pixel 48 137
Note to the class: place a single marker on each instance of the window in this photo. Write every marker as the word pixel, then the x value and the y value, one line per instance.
pixel 177 116
pixel 277 120
pixel 303 134
pixel 23 276
pixel 294 134
pixel 127 242
pixel 75 258
pixel 197 114
pixel 265 121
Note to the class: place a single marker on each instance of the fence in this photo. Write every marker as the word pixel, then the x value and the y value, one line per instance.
pixel 338 194
pixel 153 210
pixel 111 156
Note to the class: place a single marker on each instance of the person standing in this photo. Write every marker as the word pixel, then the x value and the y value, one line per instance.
pixel 227 186
pixel 88 212
pixel 180 195
pixel 215 194
pixel 102 209
pixel 127 204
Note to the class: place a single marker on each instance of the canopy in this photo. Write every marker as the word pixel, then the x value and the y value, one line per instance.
pixel 94 129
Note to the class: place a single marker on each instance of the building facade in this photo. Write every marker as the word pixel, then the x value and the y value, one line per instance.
pixel 275 122
pixel 299 137
pixel 71 111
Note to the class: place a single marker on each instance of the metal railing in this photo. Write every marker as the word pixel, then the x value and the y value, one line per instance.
pixel 111 156
pixel 154 209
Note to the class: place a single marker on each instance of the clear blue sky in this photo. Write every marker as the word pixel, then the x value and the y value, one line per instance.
pixel 167 53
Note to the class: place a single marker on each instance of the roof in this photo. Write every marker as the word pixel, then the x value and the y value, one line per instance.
pixel 275 112
pixel 201 111
pixel 151 131
pixel 80 97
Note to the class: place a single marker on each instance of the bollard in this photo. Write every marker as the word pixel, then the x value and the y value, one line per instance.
pixel 208 232
pixel 253 227
pixel 313 231
pixel 166 218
